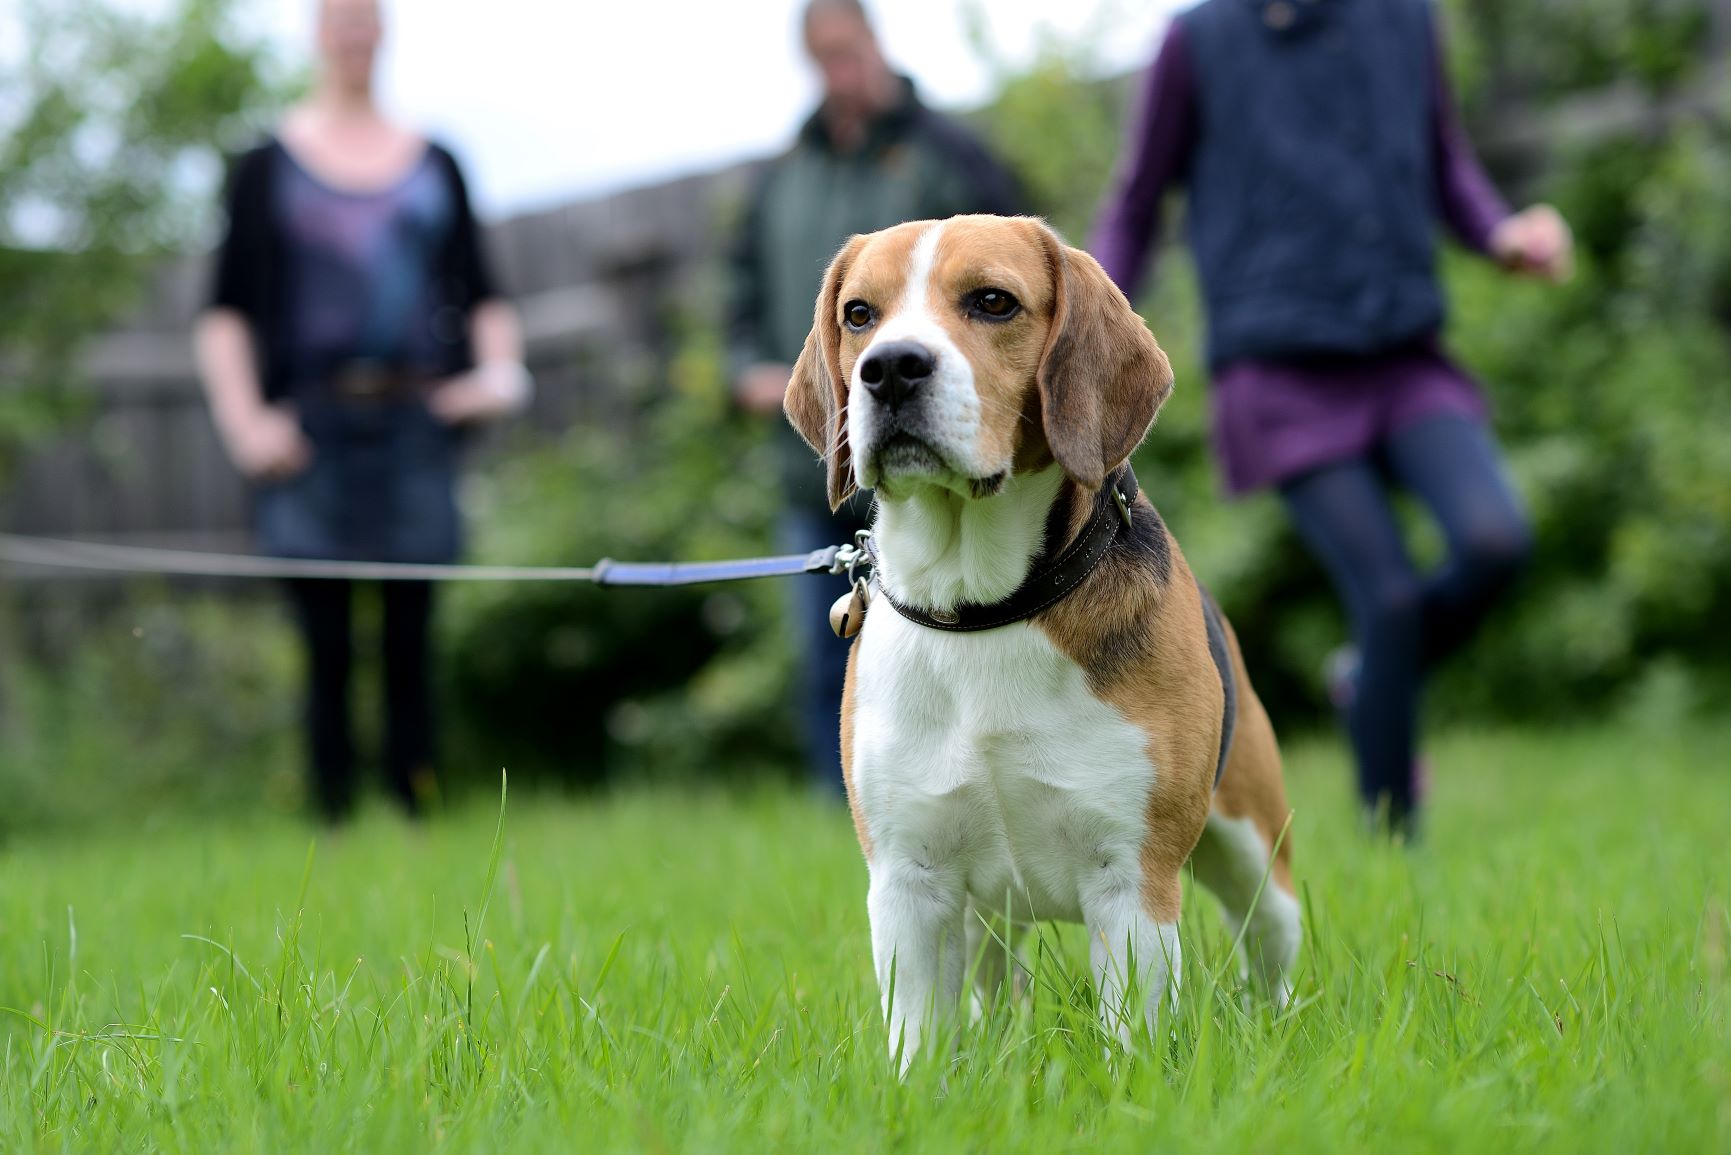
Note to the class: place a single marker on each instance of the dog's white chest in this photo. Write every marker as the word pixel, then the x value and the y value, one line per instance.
pixel 986 755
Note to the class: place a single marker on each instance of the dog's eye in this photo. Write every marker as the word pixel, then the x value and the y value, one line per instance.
pixel 996 304
pixel 858 315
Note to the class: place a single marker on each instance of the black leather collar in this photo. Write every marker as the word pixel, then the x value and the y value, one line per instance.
pixel 1051 580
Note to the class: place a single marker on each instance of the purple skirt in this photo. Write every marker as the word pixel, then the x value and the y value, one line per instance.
pixel 1274 421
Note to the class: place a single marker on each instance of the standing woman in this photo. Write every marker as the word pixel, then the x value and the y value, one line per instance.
pixel 1320 148
pixel 353 334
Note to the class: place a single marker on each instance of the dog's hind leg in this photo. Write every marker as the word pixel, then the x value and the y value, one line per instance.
pixel 1247 840
pixel 1234 861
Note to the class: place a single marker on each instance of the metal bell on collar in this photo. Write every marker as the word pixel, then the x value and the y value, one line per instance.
pixel 847 616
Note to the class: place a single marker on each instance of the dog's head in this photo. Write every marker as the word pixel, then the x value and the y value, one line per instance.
pixel 956 353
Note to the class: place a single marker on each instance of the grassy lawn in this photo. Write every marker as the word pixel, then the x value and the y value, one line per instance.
pixel 667 972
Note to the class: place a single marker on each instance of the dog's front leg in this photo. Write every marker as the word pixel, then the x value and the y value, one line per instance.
pixel 1135 956
pixel 918 945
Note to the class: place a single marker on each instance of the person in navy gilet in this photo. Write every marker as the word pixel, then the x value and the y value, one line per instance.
pixel 1320 149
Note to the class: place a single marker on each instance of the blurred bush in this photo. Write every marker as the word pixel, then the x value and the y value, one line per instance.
pixel 122 708
pixel 112 126
pixel 578 682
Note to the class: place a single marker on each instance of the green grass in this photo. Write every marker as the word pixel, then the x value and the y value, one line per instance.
pixel 674 972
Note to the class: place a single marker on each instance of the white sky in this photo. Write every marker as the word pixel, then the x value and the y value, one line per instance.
pixel 548 99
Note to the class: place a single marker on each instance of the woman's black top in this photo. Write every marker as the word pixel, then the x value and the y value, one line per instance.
pixel 359 302
pixel 392 274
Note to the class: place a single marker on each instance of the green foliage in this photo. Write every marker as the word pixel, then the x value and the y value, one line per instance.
pixel 581 681
pixel 117 710
pixel 1613 395
pixel 680 970
pixel 109 122
pixel 1059 133
pixel 1548 48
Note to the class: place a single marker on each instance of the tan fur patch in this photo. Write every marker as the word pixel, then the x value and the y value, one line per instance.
pixel 816 400
pixel 1144 646
pixel 847 731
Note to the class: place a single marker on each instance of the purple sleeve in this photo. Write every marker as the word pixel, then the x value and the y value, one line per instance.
pixel 1470 205
pixel 1157 153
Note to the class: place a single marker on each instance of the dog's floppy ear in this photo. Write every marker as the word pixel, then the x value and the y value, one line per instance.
pixel 1102 377
pixel 816 400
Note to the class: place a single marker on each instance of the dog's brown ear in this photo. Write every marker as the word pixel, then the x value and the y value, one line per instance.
pixel 1102 377
pixel 816 401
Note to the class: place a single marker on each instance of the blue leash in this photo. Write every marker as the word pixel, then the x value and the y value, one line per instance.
pixel 51 553
pixel 832 560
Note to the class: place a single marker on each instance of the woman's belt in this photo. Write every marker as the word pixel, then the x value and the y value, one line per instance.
pixel 366 380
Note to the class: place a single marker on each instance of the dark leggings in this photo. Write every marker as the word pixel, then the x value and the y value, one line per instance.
pixel 1404 622
pixel 323 611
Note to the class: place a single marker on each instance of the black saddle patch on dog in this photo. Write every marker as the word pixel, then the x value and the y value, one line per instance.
pixel 1222 656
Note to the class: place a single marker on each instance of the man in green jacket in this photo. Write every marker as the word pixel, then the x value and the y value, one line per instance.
pixel 870 157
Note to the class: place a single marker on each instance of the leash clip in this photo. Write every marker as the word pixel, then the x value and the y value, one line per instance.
pixel 849 558
pixel 847 616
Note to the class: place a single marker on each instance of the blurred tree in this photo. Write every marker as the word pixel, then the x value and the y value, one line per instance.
pixel 111 126
pixel 1616 393
pixel 1053 121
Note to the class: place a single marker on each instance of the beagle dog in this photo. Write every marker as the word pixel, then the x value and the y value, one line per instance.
pixel 1045 717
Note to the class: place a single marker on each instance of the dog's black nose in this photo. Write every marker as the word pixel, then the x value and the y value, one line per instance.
pixel 894 371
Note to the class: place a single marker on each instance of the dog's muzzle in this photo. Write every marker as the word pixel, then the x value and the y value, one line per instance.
pixel 898 377
pixel 896 372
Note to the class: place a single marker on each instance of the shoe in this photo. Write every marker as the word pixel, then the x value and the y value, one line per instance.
pixel 1405 829
pixel 1340 672
pixel 1406 825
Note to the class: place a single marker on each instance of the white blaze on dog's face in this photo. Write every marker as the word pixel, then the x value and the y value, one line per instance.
pixel 953 354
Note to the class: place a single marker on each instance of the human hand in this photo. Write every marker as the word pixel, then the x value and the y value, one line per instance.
pixel 1538 242
pixel 268 444
pixel 488 392
pixel 760 389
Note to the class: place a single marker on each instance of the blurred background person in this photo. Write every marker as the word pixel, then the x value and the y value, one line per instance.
pixel 872 155
pixel 1319 145
pixel 353 332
